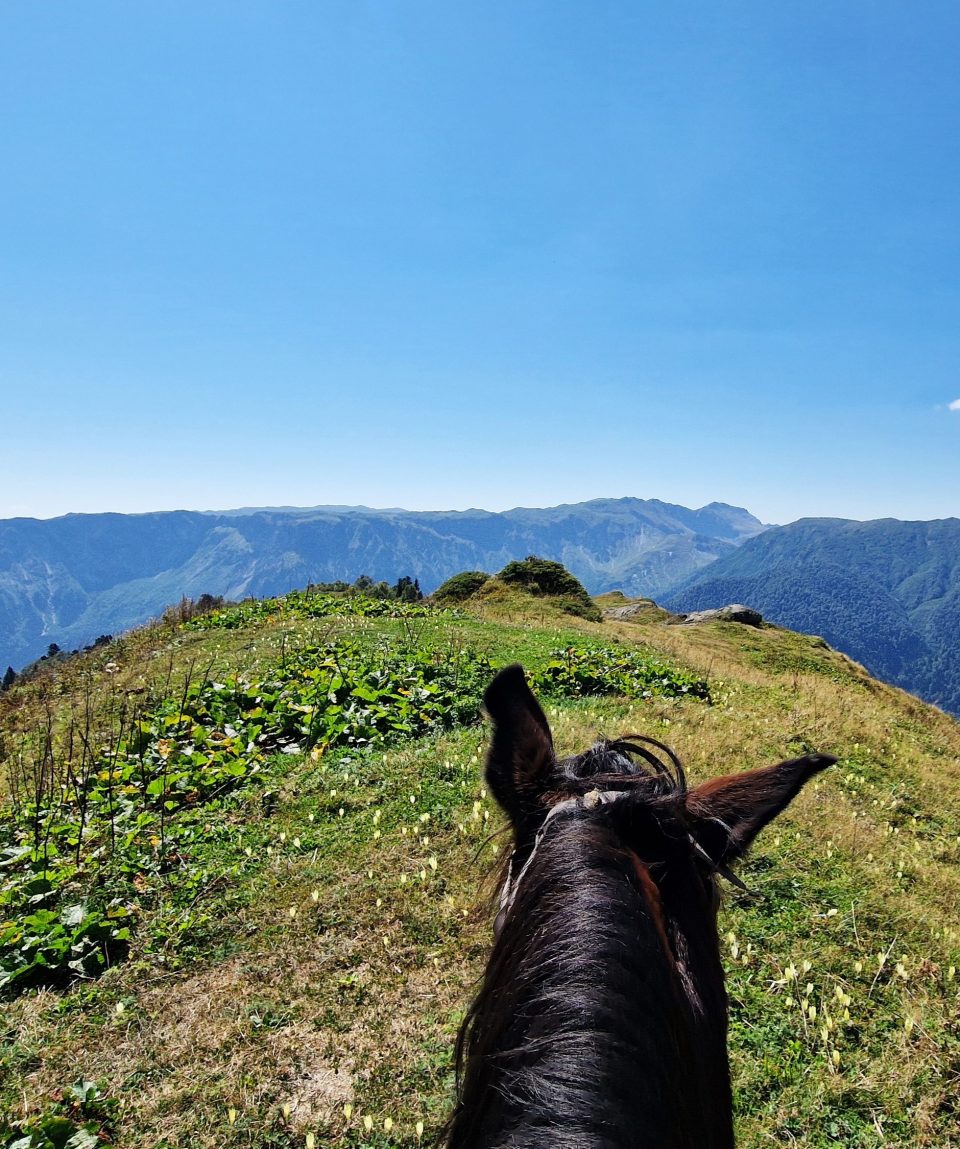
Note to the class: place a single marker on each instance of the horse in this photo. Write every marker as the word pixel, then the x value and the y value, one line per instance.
pixel 601 1020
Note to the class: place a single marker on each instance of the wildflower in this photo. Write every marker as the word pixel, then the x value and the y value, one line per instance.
pixel 231 1115
pixel 315 896
pixel 807 966
pixel 368 1122
pixel 341 812
pixel 433 862
pixel 419 1128
pixel 387 1124
pixel 285 1110
pixel 835 1057
pixel 858 967
pixel 311 1141
pixel 348 1110
pixel 292 911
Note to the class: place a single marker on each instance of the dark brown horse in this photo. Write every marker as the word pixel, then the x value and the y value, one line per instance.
pixel 602 1017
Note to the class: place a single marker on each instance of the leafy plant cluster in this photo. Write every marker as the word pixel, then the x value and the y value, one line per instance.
pixel 591 670
pixel 307 604
pixel 82 1118
pixel 89 825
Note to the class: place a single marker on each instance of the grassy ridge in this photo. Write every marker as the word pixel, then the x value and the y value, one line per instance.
pixel 301 964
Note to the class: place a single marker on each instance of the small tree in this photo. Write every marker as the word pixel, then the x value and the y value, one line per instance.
pixel 407 589
pixel 8 679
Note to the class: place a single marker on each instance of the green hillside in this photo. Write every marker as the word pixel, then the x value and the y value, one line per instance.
pixel 245 859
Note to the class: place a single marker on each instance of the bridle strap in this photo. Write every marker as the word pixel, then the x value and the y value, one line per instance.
pixel 590 801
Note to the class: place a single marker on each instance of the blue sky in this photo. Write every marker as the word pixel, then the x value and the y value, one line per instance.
pixel 436 256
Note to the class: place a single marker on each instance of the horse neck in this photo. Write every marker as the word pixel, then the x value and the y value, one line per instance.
pixel 585 1032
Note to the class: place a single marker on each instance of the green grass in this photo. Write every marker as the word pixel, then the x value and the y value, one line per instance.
pixel 316 941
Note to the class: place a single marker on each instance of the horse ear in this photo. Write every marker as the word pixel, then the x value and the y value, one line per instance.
pixel 729 812
pixel 521 756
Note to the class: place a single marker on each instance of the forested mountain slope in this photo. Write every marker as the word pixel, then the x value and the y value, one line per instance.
pixel 885 592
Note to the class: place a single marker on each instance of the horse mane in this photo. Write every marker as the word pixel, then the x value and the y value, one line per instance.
pixel 587 1010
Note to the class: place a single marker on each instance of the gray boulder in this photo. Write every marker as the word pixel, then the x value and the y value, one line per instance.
pixel 734 612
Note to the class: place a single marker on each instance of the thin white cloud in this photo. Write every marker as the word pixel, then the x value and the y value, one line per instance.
pixel 954 406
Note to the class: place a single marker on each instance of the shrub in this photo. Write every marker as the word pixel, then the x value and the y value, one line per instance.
pixel 550 579
pixel 461 586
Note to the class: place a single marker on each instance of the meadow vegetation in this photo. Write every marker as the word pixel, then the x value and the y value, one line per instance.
pixel 245 858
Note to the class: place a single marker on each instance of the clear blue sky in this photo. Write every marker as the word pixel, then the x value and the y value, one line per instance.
pixel 441 255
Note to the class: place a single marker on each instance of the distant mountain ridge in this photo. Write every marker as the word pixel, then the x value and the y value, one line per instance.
pixel 885 592
pixel 70 579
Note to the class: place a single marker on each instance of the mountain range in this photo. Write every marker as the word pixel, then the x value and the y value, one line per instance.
pixel 68 580
pixel 885 592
